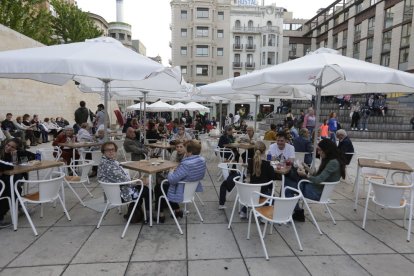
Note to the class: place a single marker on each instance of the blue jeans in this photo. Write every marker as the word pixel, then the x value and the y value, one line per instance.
pixel 308 190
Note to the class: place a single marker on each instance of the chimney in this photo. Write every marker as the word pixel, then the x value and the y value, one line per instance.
pixel 119 11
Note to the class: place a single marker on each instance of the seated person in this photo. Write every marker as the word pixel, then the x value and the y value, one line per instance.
pixel 281 150
pixel 251 138
pixel 345 146
pixel 271 134
pixel 83 133
pixel 243 126
pixel 304 144
pixel 228 138
pixel 191 168
pixel 152 134
pixel 53 128
pixel 110 171
pixel 134 146
pixel 332 168
pixel 8 127
pixel 30 130
pixel 26 132
pixel 181 134
pixel 66 136
pixel 176 156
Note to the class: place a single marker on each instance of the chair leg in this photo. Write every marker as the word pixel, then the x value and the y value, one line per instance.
pixel 261 236
pixel 296 234
pixel 366 210
pixel 64 208
pixel 103 215
pixel 83 184
pixel 174 217
pixel 199 198
pixel 129 219
pixel 198 211
pixel 232 212
pixel 312 216
pixel 159 206
pixel 330 213
pixel 250 221
pixel 76 194
pixel 27 216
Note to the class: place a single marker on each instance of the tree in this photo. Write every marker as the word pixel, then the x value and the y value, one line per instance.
pixel 70 24
pixel 28 17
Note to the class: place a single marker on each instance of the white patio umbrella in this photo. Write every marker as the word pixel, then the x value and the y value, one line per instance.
pixel 160 106
pixel 138 106
pixel 94 63
pixel 179 107
pixel 328 73
pixel 193 106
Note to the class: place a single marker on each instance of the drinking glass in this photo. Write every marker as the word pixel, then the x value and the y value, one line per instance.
pixel 23 160
pixel 14 157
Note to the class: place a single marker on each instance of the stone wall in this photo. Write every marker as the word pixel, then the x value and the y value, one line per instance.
pixel 26 96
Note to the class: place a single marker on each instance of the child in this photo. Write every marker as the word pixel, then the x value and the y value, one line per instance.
pixel 324 129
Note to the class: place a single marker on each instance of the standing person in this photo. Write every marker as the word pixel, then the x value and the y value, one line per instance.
pixel 365 113
pixel 345 146
pixel 324 130
pixel 100 116
pixel 188 119
pixel 309 120
pixel 82 115
pixel 355 116
pixel 333 126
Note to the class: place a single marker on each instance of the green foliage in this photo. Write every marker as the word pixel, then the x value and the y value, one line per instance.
pixel 32 18
pixel 260 116
pixel 28 17
pixel 71 24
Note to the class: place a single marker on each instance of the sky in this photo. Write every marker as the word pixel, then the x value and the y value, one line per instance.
pixel 151 19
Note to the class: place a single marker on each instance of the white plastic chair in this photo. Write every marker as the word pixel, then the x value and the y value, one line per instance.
pixel 2 187
pixel 391 196
pixel 113 199
pixel 280 212
pixel 188 197
pixel 48 192
pixel 80 175
pixel 328 189
pixel 244 197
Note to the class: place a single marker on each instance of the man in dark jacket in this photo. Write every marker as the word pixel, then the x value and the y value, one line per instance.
pixel 345 145
pixel 134 146
pixel 81 115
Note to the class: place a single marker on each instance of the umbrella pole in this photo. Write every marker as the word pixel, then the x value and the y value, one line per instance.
pixel 256 110
pixel 106 85
pixel 221 113
pixel 317 115
pixel 145 115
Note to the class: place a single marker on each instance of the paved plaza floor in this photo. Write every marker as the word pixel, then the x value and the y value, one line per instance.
pixel 77 248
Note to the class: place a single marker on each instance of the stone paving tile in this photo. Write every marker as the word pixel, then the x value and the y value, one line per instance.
pixel 163 268
pixel 209 212
pixel 217 267
pixel 333 265
pixel 385 264
pixel 34 271
pixel 105 245
pixel 57 246
pixel 110 269
pixel 409 256
pixel 159 243
pixel 275 266
pixel 211 241
pixel 209 194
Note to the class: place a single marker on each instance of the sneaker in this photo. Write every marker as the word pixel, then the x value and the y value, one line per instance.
pixel 352 128
pixel 299 215
pixel 243 215
pixel 366 129
pixel 5 224
pixel 222 207
pixel 361 129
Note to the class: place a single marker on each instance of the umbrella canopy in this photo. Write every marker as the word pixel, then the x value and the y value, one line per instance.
pixel 159 107
pixel 179 107
pixel 193 106
pixel 137 106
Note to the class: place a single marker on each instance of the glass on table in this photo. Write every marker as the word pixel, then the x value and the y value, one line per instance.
pixel 14 157
pixel 24 160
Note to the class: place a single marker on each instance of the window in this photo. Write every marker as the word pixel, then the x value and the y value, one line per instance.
pixel 292 49
pixel 272 40
pixel 220 33
pixel 403 60
pixel 286 27
pixel 271 58
pixel 129 37
pixel 336 20
pixel 346 15
pixel 344 51
pixel 220 15
pixel 202 70
pixel 355 53
pixel 371 25
pixel 237 25
pixel 357 32
pixel 385 59
pixel 306 49
pixel 405 35
pixel 264 40
pixel 184 70
pixel 183 32
pixel 263 58
pixel 250 24
pixel 344 37
pixel 368 59
pixel 408 9
pixel 220 71
pixel 335 41
pixel 373 2
pixel 121 36
pixel 237 58
pixel 388 17
pixel 370 46
pixel 386 41
pixel 202 51
pixel 202 12
pixel 358 8
pixel 183 51
pixel 220 51
pixel 183 14
pixel 202 32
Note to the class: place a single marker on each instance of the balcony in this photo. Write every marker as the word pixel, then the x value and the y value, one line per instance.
pixel 250 47
pixel 249 30
pixel 237 47
pixel 249 65
pixel 237 65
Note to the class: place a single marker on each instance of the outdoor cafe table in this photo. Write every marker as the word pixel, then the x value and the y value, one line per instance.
pixel 163 146
pixel 78 145
pixel 151 167
pixel 377 164
pixel 245 146
pixel 19 169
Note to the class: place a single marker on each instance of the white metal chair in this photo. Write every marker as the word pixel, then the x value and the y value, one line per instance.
pixel 96 156
pixel 52 154
pixel 2 187
pixel 280 212
pixel 113 197
pixel 328 189
pixel 48 192
pixel 370 173
pixel 391 196
pixel 221 152
pixel 226 168
pixel 189 193
pixel 244 197
pixel 80 175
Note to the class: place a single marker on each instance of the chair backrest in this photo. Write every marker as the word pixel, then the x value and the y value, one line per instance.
pixel 2 187
pixel 224 154
pixel 227 167
pixel 119 144
pixel 328 188
pixel 83 169
pixel 388 195
pixel 113 192
pixel 51 154
pixel 48 188
pixel 283 206
pixel 402 178
pixel 96 156
pixel 189 190
pixel 245 191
